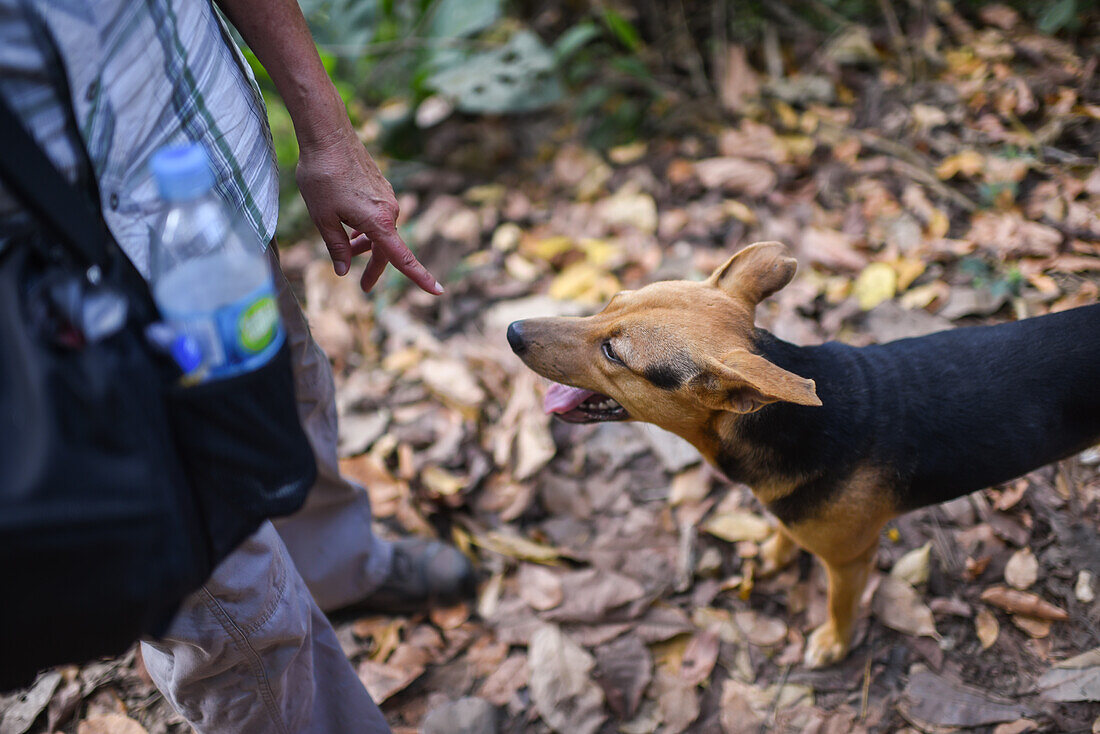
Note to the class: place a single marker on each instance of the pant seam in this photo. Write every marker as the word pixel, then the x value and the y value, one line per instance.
pixel 252 658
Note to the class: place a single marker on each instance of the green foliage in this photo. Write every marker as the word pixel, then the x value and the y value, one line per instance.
pixel 622 29
pixel 1058 15
pixel 517 77
pixel 998 279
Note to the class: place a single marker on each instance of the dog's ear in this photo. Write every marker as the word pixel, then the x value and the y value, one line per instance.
pixel 743 382
pixel 755 272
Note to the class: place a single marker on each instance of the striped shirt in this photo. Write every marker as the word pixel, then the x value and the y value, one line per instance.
pixel 142 74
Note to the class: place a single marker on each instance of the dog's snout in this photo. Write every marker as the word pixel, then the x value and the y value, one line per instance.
pixel 515 337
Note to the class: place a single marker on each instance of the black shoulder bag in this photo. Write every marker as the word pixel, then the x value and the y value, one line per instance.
pixel 120 490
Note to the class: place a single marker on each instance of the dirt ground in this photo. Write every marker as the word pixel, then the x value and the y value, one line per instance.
pixel 619 576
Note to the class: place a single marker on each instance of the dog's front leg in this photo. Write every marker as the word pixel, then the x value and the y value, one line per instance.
pixel 829 643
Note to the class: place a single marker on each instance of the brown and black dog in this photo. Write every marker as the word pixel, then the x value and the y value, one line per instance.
pixel 835 440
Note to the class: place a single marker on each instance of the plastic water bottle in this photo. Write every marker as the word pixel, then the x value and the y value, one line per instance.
pixel 211 277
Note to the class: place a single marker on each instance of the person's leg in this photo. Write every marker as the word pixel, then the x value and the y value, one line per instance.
pixel 341 559
pixel 251 652
pixel 330 539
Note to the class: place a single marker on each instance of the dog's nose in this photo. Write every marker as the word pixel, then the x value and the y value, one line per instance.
pixel 515 337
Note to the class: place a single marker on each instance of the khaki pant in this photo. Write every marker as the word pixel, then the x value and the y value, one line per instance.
pixel 251 651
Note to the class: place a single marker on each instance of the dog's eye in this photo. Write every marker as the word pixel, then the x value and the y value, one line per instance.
pixel 609 352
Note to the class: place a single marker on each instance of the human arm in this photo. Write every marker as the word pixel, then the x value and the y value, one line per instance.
pixel 339 181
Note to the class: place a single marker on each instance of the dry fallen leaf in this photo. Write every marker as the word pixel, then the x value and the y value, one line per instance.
pixel 516 547
pixel 746 707
pixel 590 594
pixel 383 680
pixel 624 667
pixel 453 383
pixel 736 175
pixel 110 724
pixel 449 618
pixel 913 566
pixel 1022 569
pixel 899 607
pixel 18 713
pixel 561 689
pixel 699 658
pixel 1082 589
pixel 441 482
pixel 936 700
pixel 969 163
pixel 738 525
pixel 503 682
pixel 760 629
pixel 539 587
pixel 1023 602
pixel 985 624
pixel 1037 628
pixel 676 700
pixel 1075 679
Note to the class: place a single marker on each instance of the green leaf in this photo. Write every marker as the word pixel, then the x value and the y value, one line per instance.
pixel 574 39
pixel 517 77
pixel 1057 16
pixel 345 27
pixel 623 29
pixel 460 18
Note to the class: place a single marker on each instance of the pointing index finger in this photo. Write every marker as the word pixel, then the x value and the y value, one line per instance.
pixel 402 258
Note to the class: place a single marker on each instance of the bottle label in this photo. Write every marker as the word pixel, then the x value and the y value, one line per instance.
pixel 258 325
pixel 250 328
pixel 237 337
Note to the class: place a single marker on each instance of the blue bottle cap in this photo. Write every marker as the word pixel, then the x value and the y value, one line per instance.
pixel 187 353
pixel 182 171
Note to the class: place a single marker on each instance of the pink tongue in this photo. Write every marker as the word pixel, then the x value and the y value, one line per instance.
pixel 562 398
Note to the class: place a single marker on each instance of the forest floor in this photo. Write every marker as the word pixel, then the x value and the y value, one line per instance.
pixel 955 186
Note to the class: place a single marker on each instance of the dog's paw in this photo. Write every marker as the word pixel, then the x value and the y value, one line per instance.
pixel 825 647
pixel 776 553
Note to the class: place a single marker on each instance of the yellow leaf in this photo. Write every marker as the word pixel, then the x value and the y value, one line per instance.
pixel 584 282
pixel 514 546
pixel 551 247
pixel 787 116
pixel 969 163
pixel 402 359
pixel 877 283
pixel 1033 626
pixel 441 482
pixel 938 224
pixel 598 252
pixel 913 566
pixel 798 146
pixel 923 295
pixel 629 153
pixel 893 535
pixel 737 526
pixel 985 624
pixel 908 270
pixel 739 211
pixel 506 237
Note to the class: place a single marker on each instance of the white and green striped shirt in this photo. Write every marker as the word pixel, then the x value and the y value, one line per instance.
pixel 142 74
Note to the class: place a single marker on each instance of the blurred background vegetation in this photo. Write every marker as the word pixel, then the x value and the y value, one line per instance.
pixel 609 71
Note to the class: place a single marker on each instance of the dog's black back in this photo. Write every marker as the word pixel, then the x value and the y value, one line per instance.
pixel 943 414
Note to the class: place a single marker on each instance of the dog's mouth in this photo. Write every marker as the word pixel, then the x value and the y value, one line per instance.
pixel 577 405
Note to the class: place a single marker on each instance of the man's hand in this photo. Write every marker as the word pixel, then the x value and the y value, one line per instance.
pixel 338 180
pixel 341 185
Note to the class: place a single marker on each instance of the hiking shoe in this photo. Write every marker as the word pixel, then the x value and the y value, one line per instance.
pixel 425 574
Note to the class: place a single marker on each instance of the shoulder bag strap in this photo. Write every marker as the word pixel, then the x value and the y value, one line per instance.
pixel 32 178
